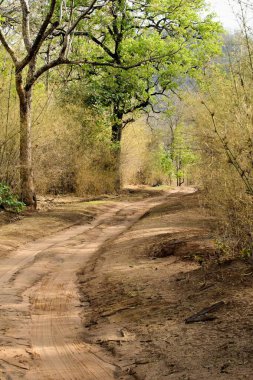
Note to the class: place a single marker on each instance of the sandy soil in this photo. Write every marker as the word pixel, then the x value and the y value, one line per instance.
pixel 41 330
pixel 139 290
pixel 101 291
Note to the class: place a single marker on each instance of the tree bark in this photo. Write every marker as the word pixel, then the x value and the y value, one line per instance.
pixel 27 193
pixel 116 140
pixel 117 130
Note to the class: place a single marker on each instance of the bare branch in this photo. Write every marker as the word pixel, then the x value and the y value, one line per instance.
pixel 231 156
pixel 26 24
pixel 81 17
pixel 8 48
pixel 41 36
pixel 128 121
pixel 74 25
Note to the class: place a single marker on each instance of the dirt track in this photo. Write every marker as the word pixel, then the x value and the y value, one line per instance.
pixel 40 324
pixel 106 299
pixel 138 292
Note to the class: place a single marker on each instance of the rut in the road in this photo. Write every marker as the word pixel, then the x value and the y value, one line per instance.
pixel 40 302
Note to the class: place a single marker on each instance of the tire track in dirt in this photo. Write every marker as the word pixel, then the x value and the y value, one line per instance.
pixel 40 306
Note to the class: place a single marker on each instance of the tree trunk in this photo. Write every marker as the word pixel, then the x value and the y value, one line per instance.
pixel 27 193
pixel 116 140
pixel 117 130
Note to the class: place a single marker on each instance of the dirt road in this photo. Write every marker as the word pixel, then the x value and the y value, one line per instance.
pixel 107 299
pixel 141 288
pixel 41 330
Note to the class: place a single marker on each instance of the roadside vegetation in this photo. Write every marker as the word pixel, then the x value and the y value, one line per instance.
pixel 221 110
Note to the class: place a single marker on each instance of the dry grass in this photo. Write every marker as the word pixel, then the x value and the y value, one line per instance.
pixel 230 130
pixel 140 155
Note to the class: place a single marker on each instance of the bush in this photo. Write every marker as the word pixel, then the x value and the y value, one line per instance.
pixel 223 116
pixel 8 200
pixel 96 171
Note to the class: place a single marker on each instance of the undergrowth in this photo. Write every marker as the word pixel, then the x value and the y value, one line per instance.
pixel 8 201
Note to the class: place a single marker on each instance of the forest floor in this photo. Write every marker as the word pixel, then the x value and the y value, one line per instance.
pixel 101 290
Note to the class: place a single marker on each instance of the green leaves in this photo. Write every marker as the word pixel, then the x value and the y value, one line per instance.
pixel 8 200
pixel 169 37
pixel 152 46
pixel 166 162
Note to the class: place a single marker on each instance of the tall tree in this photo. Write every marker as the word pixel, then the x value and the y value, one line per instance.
pixel 161 37
pixel 28 30
pixel 169 37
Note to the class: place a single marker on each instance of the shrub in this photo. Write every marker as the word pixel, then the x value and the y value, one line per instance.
pixel 8 200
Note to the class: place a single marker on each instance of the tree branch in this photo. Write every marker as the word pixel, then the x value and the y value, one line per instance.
pixel 81 17
pixel 141 105
pixel 99 43
pixel 64 61
pixel 231 157
pixel 128 121
pixel 70 30
pixel 8 48
pixel 41 36
pixel 26 24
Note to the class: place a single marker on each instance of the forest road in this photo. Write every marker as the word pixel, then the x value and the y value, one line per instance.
pixel 40 324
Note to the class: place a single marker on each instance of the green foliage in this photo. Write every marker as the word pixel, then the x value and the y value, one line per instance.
pixel 181 149
pixel 167 40
pixel 136 50
pixel 175 160
pixel 8 200
pixel 166 162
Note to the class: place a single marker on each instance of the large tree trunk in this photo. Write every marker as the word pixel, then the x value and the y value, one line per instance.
pixel 27 193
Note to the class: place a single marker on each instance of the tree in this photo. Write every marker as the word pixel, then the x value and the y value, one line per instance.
pixel 26 39
pixel 157 36
pixel 170 38
pixel 181 152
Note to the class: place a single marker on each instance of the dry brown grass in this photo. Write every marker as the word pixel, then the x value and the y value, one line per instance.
pixel 223 130
pixel 140 155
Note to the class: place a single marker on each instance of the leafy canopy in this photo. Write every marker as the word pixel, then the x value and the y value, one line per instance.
pixel 150 47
